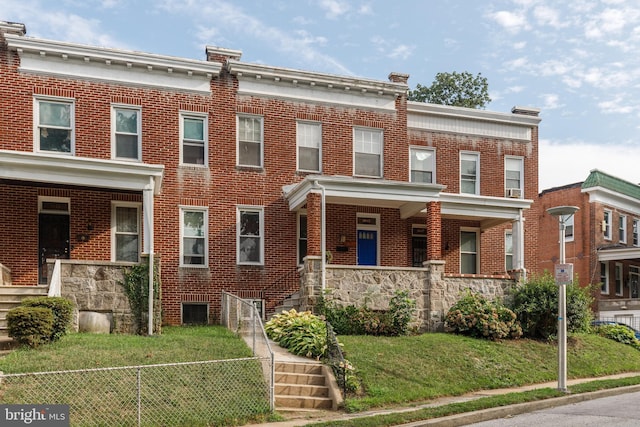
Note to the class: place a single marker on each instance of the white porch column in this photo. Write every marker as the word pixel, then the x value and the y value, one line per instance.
pixel 147 208
pixel 518 244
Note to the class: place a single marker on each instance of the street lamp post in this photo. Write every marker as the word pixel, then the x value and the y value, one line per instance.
pixel 563 213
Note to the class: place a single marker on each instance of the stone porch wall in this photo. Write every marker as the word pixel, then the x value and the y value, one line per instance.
pixel 94 286
pixel 5 275
pixel 433 292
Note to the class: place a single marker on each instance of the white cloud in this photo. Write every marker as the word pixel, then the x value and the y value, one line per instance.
pixel 334 8
pixel 548 16
pixel 550 101
pixel 564 162
pixel 616 106
pixel 511 21
pixel 401 52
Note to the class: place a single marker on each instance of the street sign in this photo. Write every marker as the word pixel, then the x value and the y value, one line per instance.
pixel 564 274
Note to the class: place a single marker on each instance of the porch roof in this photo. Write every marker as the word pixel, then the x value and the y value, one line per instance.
pixel 69 170
pixel 618 253
pixel 408 197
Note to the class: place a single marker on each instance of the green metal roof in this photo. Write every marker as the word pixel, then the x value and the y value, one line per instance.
pixel 600 179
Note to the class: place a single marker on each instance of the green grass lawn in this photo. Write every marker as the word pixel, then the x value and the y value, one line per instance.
pixel 395 371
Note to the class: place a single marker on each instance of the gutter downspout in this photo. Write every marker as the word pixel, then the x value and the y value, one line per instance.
pixel 323 244
pixel 148 222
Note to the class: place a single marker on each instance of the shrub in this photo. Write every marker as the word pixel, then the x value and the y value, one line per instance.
pixel 475 316
pixel 536 305
pixel 30 326
pixel 61 308
pixel 618 333
pixel 136 286
pixel 302 333
pixel 352 320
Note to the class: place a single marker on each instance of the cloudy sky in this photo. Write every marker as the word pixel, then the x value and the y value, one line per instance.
pixel 578 61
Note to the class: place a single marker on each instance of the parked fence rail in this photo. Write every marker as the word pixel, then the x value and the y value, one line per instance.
pixel 176 394
pixel 242 317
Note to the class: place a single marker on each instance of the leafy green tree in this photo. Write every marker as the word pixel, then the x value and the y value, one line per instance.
pixel 455 89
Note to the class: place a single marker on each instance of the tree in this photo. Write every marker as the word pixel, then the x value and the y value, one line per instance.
pixel 456 89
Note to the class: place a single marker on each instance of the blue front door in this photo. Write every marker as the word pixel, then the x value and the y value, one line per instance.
pixel 367 247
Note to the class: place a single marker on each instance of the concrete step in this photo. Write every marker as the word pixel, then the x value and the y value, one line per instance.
pixel 301 390
pixel 303 402
pixel 307 379
pixel 25 290
pixel 299 368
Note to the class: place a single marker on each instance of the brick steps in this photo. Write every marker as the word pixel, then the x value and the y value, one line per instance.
pixel 302 386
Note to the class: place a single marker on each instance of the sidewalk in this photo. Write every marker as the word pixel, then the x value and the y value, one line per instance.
pixel 299 419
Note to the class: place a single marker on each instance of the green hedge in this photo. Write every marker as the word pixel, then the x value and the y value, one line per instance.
pixel 30 326
pixel 62 310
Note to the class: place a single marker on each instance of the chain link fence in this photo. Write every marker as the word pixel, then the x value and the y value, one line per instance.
pixel 179 394
pixel 243 318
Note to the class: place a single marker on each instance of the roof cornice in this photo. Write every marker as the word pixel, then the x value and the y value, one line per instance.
pixel 471 113
pixel 243 70
pixel 65 50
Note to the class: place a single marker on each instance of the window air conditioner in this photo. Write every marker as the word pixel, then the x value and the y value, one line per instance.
pixel 514 193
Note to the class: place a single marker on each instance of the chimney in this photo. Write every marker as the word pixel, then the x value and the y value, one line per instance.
pixel 398 77
pixel 12 28
pixel 220 54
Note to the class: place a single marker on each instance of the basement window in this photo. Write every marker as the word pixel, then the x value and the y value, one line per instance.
pixel 195 314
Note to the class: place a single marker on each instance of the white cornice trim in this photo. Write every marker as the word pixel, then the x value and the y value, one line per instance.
pixel 612 198
pixel 471 114
pixel 102 55
pixel 49 168
pixel 246 71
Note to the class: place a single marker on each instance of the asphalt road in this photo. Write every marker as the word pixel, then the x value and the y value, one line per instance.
pixel 614 411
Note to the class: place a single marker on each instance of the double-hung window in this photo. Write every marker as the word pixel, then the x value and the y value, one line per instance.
pixel 422 165
pixel 508 249
pixel 469 173
pixel 606 224
pixel 126 131
pixel 569 228
pixel 54 125
pixel 604 278
pixel 193 139
pixel 367 156
pixel 469 255
pixel 636 223
pixel 125 226
pixel 250 141
pixel 513 172
pixel 193 236
pixel 618 279
pixel 250 235
pixel 302 237
pixel 309 139
pixel 622 229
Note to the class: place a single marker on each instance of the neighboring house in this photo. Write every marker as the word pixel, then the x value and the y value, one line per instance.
pixel 239 177
pixel 602 241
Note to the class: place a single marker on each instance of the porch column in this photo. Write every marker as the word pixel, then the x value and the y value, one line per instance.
pixel 147 209
pixel 434 231
pixel 314 224
pixel 518 245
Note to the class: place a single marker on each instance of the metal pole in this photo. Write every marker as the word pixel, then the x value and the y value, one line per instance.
pixel 562 318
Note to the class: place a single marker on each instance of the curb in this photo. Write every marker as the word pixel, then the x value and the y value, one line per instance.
pixel 519 408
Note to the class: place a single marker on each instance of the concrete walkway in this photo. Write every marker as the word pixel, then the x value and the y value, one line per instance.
pixel 306 418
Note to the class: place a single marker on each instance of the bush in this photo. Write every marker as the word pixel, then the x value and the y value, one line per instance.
pixel 61 308
pixel 475 316
pixel 30 326
pixel 536 305
pixel 618 333
pixel 301 333
pixel 352 320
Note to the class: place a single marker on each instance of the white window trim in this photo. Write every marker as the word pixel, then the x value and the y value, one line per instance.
pixel 571 221
pixel 375 228
pixel 477 156
pixel 36 123
pixel 302 212
pixel 471 230
pixel 205 118
pixel 42 199
pixel 433 155
pixel 319 125
pixel 353 138
pixel 622 228
pixel 606 278
pixel 182 209
pixel 250 208
pixel 618 267
pixel 138 109
pixel 253 116
pixel 117 204
pixel 636 232
pixel 521 161
pixel 608 224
